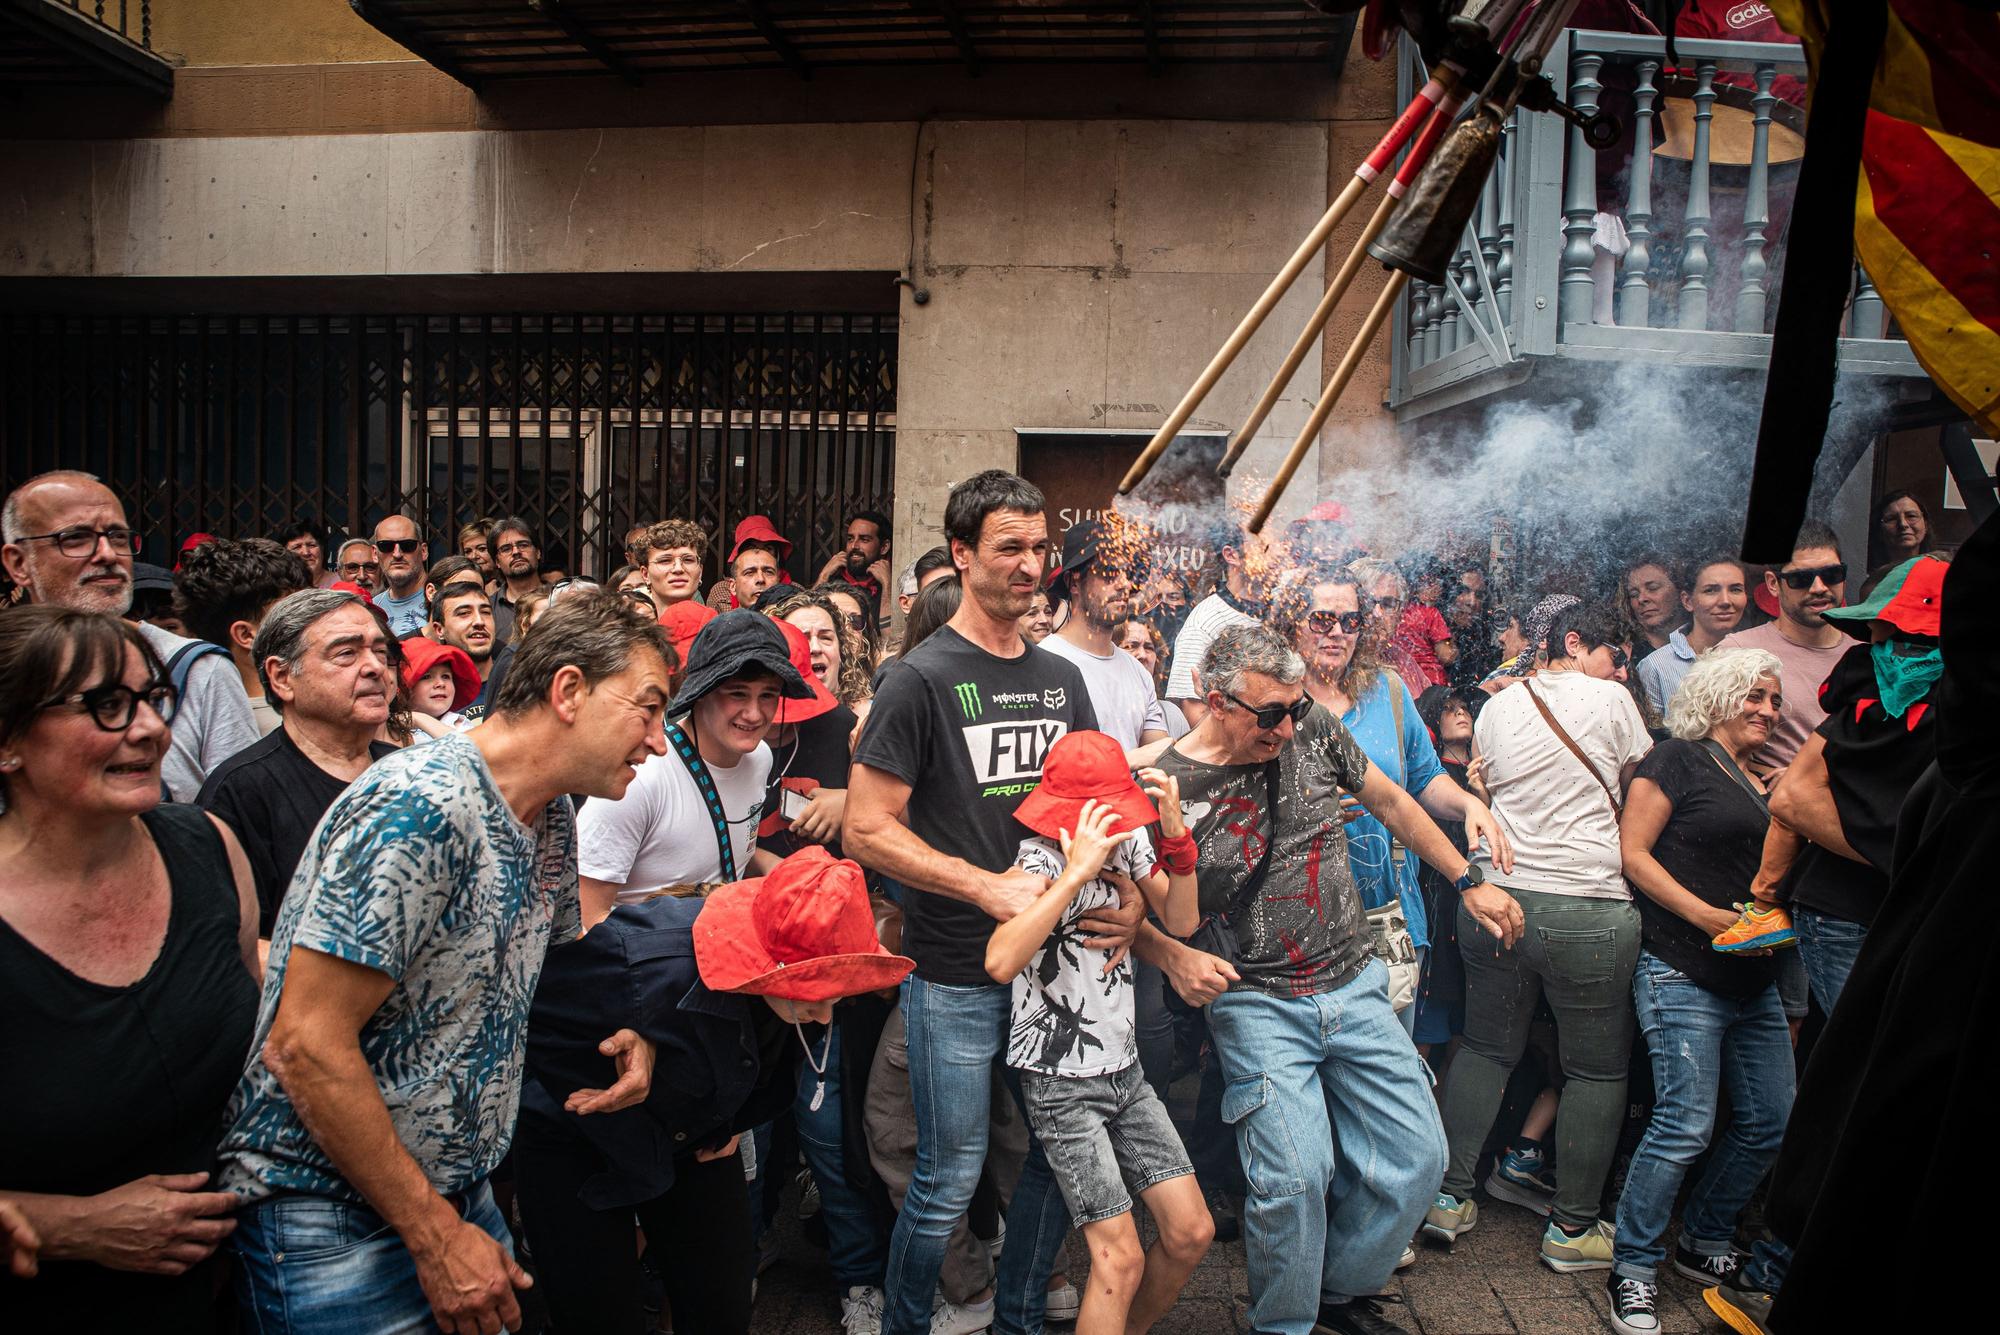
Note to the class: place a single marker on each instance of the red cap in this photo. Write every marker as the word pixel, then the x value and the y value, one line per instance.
pixel 1767 602
pixel 823 701
pixel 347 586
pixel 194 540
pixel 756 528
pixel 1082 766
pixel 421 654
pixel 684 621
pixel 805 932
pixel 1327 512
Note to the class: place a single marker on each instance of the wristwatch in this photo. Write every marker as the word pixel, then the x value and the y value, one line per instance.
pixel 1473 876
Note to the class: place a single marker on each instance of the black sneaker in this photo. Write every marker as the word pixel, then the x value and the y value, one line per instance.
pixel 1357 1316
pixel 1743 1309
pixel 1228 1227
pixel 1634 1306
pixel 1707 1269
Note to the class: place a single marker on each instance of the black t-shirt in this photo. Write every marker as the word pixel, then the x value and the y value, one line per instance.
pixel 1712 845
pixel 272 796
pixel 816 757
pixel 489 685
pixel 968 732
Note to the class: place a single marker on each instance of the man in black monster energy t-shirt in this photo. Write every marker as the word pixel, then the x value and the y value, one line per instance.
pixel 955 740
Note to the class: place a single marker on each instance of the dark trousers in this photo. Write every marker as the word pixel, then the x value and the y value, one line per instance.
pixel 586 1262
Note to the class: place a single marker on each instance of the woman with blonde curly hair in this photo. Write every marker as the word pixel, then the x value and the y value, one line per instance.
pixel 839 654
pixel 1690 839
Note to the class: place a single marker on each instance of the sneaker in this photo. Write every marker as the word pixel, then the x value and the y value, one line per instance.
pixel 1519 1178
pixel 1356 1316
pixel 1745 1310
pixel 808 1194
pixel 861 1310
pixel 1449 1217
pixel 997 1243
pixel 1221 1208
pixel 1762 927
pixel 948 1318
pixel 1407 1259
pixel 1590 1250
pixel 1062 1303
pixel 1635 1306
pixel 1707 1269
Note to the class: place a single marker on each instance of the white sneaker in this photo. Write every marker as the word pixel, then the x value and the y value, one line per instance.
pixel 1062 1303
pixel 948 1318
pixel 1407 1259
pixel 998 1244
pixel 861 1310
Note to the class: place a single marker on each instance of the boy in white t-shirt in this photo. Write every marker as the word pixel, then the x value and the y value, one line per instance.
pixel 1072 1033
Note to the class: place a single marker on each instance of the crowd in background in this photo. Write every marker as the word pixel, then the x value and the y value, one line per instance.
pixel 1423 882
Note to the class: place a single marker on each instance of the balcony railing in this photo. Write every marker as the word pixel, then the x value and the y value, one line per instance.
pixel 81 42
pixel 1668 246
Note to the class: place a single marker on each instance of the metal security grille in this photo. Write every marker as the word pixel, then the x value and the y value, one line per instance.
pixel 584 425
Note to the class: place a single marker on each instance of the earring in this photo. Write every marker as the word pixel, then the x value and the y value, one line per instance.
pixel 10 763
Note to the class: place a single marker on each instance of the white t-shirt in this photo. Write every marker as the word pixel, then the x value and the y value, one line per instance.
pixel 1068 1016
pixel 1210 617
pixel 660 833
pixel 1121 691
pixel 1564 834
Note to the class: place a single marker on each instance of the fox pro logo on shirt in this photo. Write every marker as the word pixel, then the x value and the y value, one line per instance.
pixel 1007 757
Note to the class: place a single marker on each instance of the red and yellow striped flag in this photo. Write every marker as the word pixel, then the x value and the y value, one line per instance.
pixel 1927 204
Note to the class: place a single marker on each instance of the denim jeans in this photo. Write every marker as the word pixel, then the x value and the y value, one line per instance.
pixel 957 1038
pixel 309 1264
pixel 1580 952
pixel 1829 946
pixel 855 1247
pixel 1339 1139
pixel 1154 1023
pixel 1701 1043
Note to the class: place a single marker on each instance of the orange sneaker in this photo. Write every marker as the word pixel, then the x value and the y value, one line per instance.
pixel 1762 927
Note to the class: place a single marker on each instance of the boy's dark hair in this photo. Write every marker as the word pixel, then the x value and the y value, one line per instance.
pixel 449 589
pixel 452 567
pixel 937 558
pixel 228 580
pixel 875 517
pixel 1590 623
pixel 982 494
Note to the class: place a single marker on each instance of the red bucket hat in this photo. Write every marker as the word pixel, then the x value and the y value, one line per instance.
pixel 1910 597
pixel 756 528
pixel 823 701
pixel 421 654
pixel 805 932
pixel 1082 766
pixel 683 621
pixel 347 586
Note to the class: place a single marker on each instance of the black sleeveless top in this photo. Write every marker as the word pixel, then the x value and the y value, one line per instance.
pixel 107 1084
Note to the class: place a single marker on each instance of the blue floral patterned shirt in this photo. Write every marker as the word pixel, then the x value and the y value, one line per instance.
pixel 419 871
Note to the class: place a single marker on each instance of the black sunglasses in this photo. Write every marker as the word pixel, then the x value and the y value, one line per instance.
pixel 1325 623
pixel 1619 658
pixel 387 545
pixel 1270 716
pixel 1803 579
pixel 113 707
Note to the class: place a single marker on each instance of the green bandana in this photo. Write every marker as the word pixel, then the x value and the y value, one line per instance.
pixel 1904 678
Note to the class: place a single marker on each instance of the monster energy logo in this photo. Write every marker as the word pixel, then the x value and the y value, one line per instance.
pixel 968 699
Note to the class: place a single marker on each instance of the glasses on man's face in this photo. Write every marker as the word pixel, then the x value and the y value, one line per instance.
pixel 1386 604
pixel 1326 623
pixel 516 548
pixel 1270 716
pixel 387 546
pixel 79 543
pixel 113 707
pixel 1803 579
pixel 360 567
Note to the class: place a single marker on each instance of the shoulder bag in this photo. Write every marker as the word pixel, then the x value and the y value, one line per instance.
pixel 704 783
pixel 1735 771
pixel 1388 929
pixel 1617 810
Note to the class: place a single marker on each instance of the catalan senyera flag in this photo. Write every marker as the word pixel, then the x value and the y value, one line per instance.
pixel 1927 204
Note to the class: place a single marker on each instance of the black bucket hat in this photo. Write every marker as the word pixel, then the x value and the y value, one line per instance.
pixel 727 646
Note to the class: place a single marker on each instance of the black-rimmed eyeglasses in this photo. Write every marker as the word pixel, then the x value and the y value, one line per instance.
pixel 1270 716
pixel 78 543
pixel 113 707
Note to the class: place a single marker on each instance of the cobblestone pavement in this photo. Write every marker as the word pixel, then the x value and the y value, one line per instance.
pixel 1489 1283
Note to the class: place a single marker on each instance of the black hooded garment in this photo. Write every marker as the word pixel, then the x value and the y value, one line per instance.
pixel 1893 1115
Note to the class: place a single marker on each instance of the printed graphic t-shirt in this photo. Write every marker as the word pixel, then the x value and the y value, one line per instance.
pixel 420 872
pixel 968 732
pixel 1069 1017
pixel 1304 932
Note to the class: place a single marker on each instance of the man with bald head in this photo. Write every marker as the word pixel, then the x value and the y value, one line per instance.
pixel 67 544
pixel 404 556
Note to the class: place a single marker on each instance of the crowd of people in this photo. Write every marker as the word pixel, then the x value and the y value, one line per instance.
pixel 386 937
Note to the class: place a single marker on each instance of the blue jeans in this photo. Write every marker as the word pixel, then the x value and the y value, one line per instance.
pixel 1701 1043
pixel 1829 946
pixel 856 1249
pixel 1339 1139
pixel 307 1264
pixel 957 1039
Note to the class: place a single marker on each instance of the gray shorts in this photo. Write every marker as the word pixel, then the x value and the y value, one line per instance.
pixel 1103 1134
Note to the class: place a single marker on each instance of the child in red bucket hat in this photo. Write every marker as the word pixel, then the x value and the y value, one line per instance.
pixel 1072 1034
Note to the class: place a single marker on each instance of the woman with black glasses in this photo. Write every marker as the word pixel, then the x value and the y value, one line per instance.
pixel 128 976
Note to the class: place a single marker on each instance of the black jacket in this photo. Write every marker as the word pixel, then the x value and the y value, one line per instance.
pixel 720 1069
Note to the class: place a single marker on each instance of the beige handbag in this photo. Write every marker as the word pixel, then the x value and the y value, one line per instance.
pixel 1389 936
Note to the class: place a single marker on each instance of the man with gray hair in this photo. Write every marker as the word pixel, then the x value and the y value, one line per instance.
pixel 68 545
pixel 1335 1123
pixel 360 565
pixel 323 659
